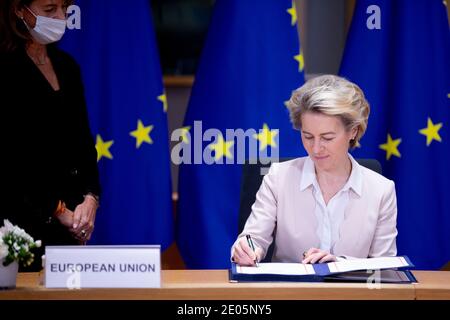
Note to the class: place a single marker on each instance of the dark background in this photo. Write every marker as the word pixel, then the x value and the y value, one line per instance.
pixel 181 27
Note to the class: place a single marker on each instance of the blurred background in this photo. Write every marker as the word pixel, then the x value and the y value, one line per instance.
pixel 182 25
pixel 185 37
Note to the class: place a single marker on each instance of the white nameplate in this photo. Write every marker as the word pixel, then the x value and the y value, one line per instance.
pixel 75 267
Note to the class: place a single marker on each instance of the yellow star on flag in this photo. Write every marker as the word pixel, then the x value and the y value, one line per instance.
pixel 103 148
pixel 391 147
pixel 184 132
pixel 163 99
pixel 293 12
pixel 142 134
pixel 266 137
pixel 222 148
pixel 301 61
pixel 431 131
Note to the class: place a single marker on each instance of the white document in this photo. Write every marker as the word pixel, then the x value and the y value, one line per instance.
pixel 368 264
pixel 278 268
pixel 326 268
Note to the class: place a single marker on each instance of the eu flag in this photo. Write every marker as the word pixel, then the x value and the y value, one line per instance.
pixel 115 45
pixel 398 52
pixel 250 64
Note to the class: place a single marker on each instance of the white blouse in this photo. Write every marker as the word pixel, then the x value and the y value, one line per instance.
pixel 330 216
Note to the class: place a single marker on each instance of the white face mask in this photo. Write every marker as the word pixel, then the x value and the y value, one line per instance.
pixel 46 30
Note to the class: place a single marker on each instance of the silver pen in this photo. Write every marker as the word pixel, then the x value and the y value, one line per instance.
pixel 252 246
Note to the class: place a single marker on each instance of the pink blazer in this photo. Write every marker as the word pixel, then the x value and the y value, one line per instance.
pixel 281 208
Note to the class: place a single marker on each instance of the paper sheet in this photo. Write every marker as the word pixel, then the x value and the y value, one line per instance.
pixel 334 267
pixel 278 268
pixel 367 264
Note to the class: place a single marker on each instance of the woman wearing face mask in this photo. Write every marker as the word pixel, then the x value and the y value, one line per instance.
pixel 50 174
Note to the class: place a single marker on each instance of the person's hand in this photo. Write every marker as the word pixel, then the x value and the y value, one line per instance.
pixel 65 218
pixel 315 255
pixel 243 255
pixel 84 218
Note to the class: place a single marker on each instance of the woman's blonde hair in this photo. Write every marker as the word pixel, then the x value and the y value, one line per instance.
pixel 334 96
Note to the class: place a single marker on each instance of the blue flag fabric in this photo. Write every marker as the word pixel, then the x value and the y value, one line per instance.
pixel 251 62
pixel 115 46
pixel 398 52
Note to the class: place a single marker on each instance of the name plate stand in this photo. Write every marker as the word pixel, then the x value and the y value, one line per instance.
pixel 76 267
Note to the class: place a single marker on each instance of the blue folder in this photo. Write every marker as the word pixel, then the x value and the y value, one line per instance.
pixel 323 274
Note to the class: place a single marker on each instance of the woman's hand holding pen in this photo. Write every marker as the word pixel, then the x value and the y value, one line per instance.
pixel 244 255
pixel 315 255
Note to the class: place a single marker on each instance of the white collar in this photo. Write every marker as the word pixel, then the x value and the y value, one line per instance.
pixel 354 181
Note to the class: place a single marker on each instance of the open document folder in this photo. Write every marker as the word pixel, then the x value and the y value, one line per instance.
pixel 384 270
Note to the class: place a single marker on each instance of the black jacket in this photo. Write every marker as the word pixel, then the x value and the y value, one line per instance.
pixel 47 148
